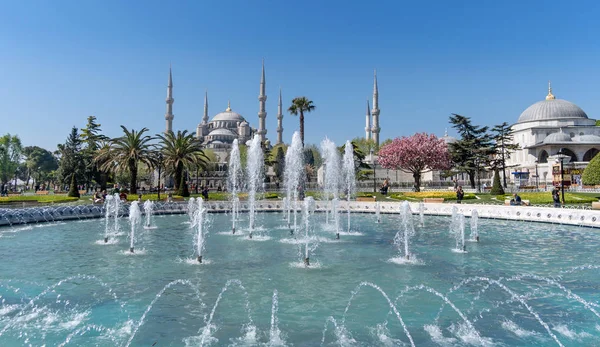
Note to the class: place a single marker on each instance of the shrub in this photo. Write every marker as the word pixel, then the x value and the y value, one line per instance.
pixel 591 174
pixel 497 187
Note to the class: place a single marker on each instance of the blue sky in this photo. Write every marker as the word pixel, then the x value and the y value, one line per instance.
pixel 63 61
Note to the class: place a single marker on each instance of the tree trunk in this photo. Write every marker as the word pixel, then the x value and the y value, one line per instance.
pixel 178 174
pixel 417 178
pixel 302 127
pixel 133 178
pixel 471 178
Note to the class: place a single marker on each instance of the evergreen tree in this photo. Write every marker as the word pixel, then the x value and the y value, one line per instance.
pixel 497 187
pixel 279 163
pixel 71 159
pixel 92 139
pixel 591 174
pixel 309 157
pixel 472 151
pixel 502 134
pixel 73 191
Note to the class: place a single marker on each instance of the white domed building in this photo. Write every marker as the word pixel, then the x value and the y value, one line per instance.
pixel 545 128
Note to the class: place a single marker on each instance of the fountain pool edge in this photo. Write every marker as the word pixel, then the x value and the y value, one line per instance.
pixel 586 218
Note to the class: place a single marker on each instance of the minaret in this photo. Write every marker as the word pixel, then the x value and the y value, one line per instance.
pixel 375 112
pixel 262 113
pixel 205 117
pixel 279 120
pixel 368 123
pixel 169 115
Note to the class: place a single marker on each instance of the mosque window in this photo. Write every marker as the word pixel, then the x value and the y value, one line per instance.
pixel 590 154
pixel 543 157
pixel 572 135
pixel 581 134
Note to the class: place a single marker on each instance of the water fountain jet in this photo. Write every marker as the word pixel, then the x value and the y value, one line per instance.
pixel 254 173
pixel 234 181
pixel 134 220
pixel 349 175
pixel 293 177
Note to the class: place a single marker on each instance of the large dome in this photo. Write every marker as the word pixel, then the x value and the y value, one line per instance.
pixel 228 115
pixel 550 109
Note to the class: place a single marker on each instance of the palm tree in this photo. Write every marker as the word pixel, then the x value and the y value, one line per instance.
pixel 126 153
pixel 181 150
pixel 300 105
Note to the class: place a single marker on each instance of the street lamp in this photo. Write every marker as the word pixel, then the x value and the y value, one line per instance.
pixel 374 177
pixel 160 159
pixel 537 184
pixel 561 156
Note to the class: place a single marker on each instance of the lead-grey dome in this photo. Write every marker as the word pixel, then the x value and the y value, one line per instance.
pixel 587 138
pixel 551 109
pixel 557 138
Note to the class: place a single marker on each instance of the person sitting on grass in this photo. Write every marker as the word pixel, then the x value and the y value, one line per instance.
pixel 516 200
pixel 98 198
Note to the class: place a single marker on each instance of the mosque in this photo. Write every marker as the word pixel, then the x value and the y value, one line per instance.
pixel 544 129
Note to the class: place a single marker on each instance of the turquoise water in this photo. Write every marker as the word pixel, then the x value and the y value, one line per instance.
pixel 60 285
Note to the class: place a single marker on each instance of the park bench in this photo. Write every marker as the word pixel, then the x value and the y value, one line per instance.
pixel 433 200
pixel 523 202
pixel 596 205
pixel 12 194
pixel 366 198
pixel 42 192
pixel 82 192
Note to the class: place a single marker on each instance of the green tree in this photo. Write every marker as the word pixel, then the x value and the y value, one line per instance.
pixel 126 153
pixel 92 140
pixel 181 150
pixel 279 163
pixel 591 174
pixel 502 135
pixel 365 146
pixel 299 106
pixel 317 160
pixel 361 169
pixel 39 163
pixel 71 159
pixel 309 157
pixel 10 156
pixel 73 191
pixel 497 187
pixel 472 151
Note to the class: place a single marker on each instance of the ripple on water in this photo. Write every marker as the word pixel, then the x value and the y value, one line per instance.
pixel 111 241
pixel 300 265
pixel 403 261
pixel 194 261
pixel 141 251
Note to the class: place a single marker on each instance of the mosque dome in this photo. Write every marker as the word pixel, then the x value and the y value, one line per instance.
pixel 222 132
pixel 557 137
pixel 228 115
pixel 587 138
pixel 551 109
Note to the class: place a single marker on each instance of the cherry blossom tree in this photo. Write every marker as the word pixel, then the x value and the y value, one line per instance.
pixel 415 154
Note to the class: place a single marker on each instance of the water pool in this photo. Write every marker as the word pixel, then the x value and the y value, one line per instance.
pixel 524 284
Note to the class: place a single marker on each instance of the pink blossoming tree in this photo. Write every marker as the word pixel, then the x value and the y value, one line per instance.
pixel 415 154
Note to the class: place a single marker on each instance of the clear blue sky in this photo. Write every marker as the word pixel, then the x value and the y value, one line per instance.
pixel 63 61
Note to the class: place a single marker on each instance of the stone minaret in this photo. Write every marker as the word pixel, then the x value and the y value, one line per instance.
pixel 375 129
pixel 368 123
pixel 262 113
pixel 279 120
pixel 201 130
pixel 169 115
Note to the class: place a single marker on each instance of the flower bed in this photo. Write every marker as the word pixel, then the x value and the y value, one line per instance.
pixel 419 196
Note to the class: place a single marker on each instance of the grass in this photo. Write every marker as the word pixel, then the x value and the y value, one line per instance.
pixel 538 198
pixel 45 199
pixel 419 196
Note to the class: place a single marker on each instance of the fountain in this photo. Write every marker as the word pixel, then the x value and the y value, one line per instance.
pixel 149 211
pixel 293 176
pixel 474 222
pixel 191 210
pixel 116 209
pixel 406 231
pixel 108 211
pixel 309 208
pixel 336 216
pixel 378 211
pixel 254 175
pixel 134 220
pixel 349 175
pixel 331 179
pixel 199 223
pixel 459 234
pixel 234 182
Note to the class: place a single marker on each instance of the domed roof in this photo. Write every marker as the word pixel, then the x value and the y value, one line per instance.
pixel 587 138
pixel 221 132
pixel 551 108
pixel 557 137
pixel 228 115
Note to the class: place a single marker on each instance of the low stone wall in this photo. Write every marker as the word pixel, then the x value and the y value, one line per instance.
pixel 587 218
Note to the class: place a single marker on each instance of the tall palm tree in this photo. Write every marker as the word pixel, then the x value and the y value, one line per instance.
pixel 126 153
pixel 300 105
pixel 181 150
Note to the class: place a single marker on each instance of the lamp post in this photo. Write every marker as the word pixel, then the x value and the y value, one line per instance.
pixel 561 156
pixel 374 170
pixel 160 159
pixel 537 184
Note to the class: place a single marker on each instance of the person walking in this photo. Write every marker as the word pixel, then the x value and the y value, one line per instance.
pixel 460 194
